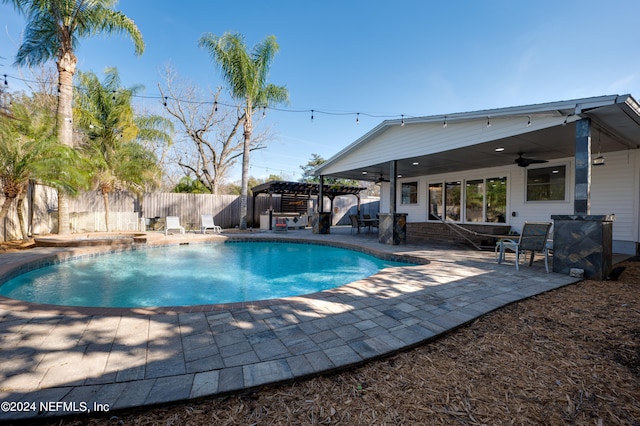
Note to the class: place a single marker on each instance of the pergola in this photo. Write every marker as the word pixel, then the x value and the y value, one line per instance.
pixel 307 189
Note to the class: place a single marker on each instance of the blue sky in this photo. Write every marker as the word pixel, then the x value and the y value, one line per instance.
pixel 378 58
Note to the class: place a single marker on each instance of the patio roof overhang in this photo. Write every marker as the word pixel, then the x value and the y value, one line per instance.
pixel 543 131
pixel 304 188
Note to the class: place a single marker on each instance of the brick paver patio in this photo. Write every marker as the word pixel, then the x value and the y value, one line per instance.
pixel 63 360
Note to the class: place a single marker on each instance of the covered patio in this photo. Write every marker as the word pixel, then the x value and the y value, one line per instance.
pixel 573 160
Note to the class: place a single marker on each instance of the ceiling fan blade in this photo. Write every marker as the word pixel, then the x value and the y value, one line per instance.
pixel 525 162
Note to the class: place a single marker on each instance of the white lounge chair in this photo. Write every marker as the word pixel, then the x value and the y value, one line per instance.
pixel 172 222
pixel 206 222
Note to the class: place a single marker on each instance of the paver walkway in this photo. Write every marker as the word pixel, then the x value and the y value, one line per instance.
pixel 56 361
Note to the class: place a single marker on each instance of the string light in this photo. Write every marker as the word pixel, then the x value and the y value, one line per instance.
pixel 164 100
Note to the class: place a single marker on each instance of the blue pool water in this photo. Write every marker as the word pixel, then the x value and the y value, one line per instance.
pixel 194 275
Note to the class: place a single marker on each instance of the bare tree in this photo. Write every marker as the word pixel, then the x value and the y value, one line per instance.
pixel 209 140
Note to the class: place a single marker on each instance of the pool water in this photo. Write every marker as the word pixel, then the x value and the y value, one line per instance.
pixel 194 275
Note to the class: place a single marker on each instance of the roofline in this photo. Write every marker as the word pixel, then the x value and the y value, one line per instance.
pixel 558 108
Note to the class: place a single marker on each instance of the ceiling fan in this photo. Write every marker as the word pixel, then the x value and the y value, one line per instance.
pixel 526 162
pixel 381 179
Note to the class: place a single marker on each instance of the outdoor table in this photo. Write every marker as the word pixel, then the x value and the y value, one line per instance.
pixel 369 223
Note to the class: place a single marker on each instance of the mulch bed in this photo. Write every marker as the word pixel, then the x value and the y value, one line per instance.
pixel 570 356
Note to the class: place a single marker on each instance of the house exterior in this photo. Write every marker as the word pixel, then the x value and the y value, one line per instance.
pixel 492 170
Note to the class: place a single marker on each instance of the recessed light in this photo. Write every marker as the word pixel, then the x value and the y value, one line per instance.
pixel 364 173
pixel 500 149
pixel 415 163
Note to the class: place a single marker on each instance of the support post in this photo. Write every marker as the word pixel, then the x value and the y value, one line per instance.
pixel 392 187
pixel 321 221
pixel 582 197
pixel 583 241
pixel 321 195
pixel 392 227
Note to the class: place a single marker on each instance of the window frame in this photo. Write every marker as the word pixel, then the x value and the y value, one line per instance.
pixel 411 195
pixel 462 183
pixel 451 184
pixel 566 194
pixel 439 206
pixel 483 196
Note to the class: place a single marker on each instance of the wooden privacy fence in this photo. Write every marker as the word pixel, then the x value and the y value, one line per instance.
pixel 188 207
pixel 128 212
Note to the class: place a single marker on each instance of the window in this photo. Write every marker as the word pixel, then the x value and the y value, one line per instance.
pixel 452 200
pixel 474 201
pixel 485 200
pixel 546 184
pixel 410 193
pixel 496 199
pixel 435 201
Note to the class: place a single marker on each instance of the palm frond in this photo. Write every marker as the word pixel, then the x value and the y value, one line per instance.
pixel 54 27
pixel 40 40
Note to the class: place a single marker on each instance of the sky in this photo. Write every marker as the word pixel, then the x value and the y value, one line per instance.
pixel 378 59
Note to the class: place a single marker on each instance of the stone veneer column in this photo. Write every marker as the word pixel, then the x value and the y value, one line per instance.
pixel 583 242
pixel 582 196
pixel 321 220
pixel 392 228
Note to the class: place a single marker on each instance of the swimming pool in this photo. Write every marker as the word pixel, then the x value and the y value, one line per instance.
pixel 194 275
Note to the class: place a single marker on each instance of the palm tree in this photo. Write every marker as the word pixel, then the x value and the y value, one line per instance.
pixel 246 75
pixel 29 152
pixel 53 30
pixel 112 135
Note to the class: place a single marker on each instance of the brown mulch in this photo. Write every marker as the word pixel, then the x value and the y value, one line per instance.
pixel 570 356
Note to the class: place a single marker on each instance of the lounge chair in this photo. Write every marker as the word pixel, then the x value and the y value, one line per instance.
pixel 172 222
pixel 206 222
pixel 533 239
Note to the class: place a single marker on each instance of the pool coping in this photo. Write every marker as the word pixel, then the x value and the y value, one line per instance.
pixel 142 357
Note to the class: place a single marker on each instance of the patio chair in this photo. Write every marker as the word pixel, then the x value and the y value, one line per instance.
pixel 355 223
pixel 172 222
pixel 281 224
pixel 206 222
pixel 533 239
